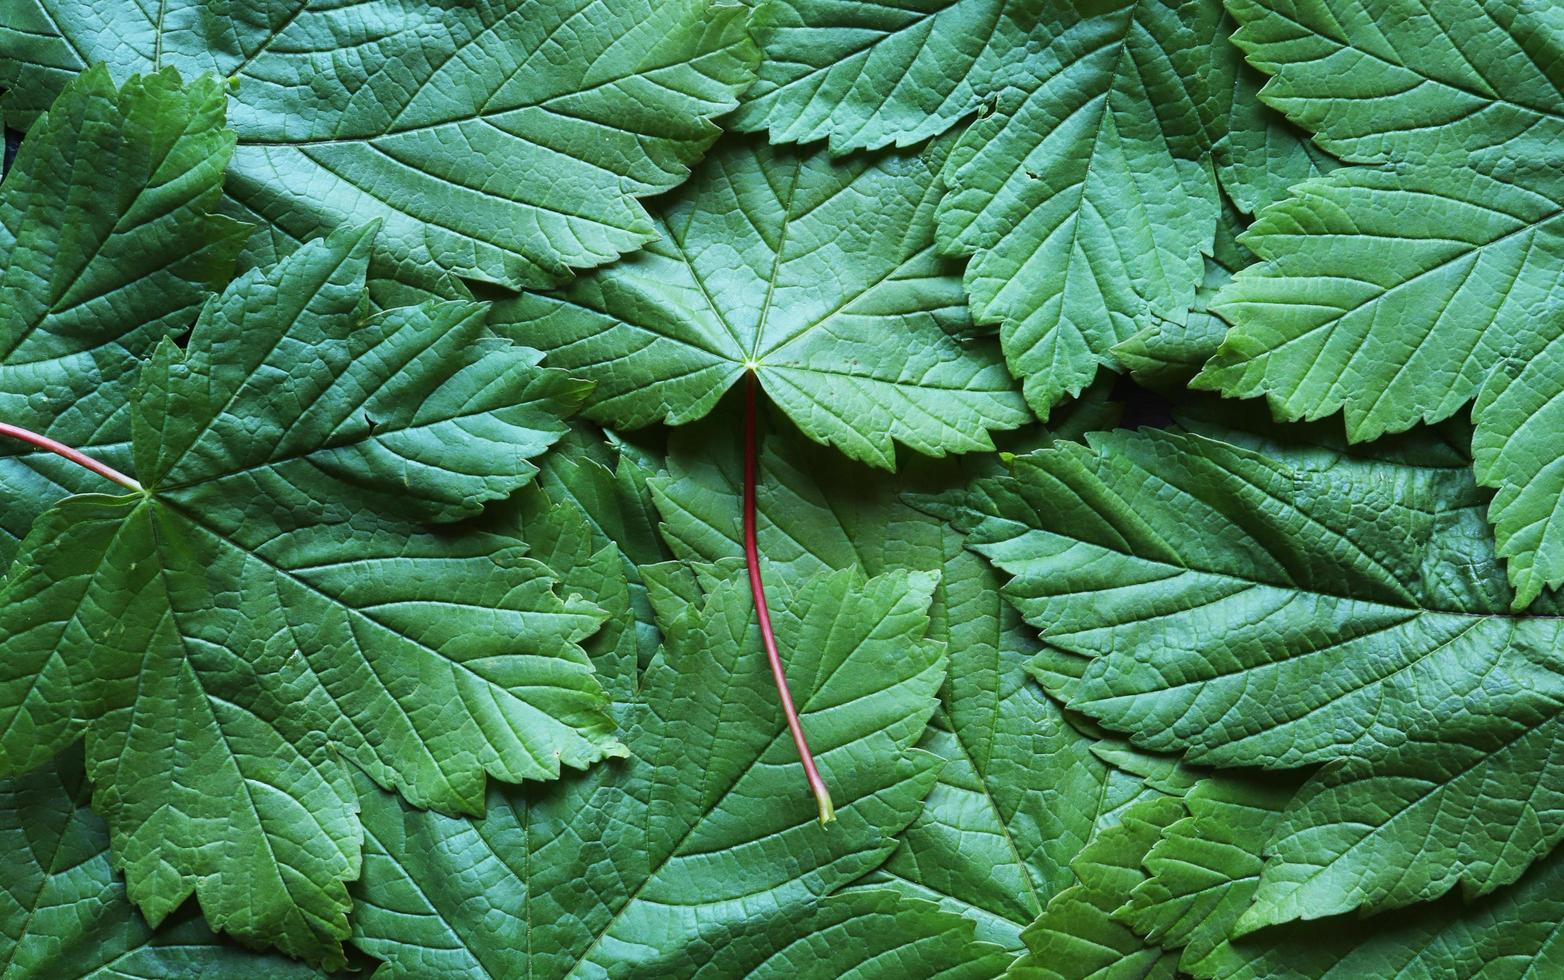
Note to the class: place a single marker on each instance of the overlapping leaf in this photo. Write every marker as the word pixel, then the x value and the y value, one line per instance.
pixel 63 911
pixel 868 934
pixel 1168 353
pixel 1402 291
pixel 353 580
pixel 503 141
pixel 259 614
pixel 1512 934
pixel 606 482
pixel 1259 154
pixel 1077 938
pixel 994 839
pixel 1202 874
pixel 820 279
pixel 871 74
pixel 699 851
pixel 1204 867
pixel 1087 197
pixel 1255 610
pixel 107 244
pixel 1408 81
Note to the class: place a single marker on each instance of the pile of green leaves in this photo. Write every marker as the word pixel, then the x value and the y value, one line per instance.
pixel 420 423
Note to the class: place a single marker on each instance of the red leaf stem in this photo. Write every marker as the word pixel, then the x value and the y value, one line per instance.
pixel 76 456
pixel 767 637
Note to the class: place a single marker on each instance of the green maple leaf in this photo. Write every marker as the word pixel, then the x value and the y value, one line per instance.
pixel 485 149
pixel 1403 291
pixel 263 612
pixel 820 279
pixel 1086 199
pixel 866 75
pixel 63 910
pixel 1295 607
pixel 1076 937
pixel 1202 874
pixel 1259 155
pixel 992 842
pixel 107 245
pixel 697 850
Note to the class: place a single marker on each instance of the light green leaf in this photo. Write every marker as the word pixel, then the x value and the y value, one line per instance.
pixel 1086 198
pixel 107 244
pixel 819 279
pixel 1335 588
pixel 1474 806
pixel 701 845
pixel 1400 292
pixel 1512 935
pixel 1406 81
pixel 1077 938
pixel 1261 154
pixel 870 74
pixel 63 911
pixel 1293 608
pixel 505 142
pixel 1202 874
pixel 228 638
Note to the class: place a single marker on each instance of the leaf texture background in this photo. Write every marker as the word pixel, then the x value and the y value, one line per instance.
pixel 1150 411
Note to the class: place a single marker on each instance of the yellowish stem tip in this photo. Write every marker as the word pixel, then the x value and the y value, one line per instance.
pixel 827 811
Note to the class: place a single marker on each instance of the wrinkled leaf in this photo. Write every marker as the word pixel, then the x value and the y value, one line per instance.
pixel 502 141
pixel 701 843
pixel 1289 609
pixel 229 638
pixel 107 245
pixel 820 279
